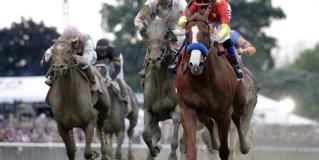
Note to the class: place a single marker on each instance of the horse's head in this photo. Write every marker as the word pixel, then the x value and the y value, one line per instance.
pixel 157 39
pixel 198 44
pixel 62 57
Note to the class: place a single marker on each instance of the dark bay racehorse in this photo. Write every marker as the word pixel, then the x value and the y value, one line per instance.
pixel 160 101
pixel 73 104
pixel 207 86
pixel 115 122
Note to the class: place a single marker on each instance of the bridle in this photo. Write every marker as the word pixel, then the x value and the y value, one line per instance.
pixel 206 35
pixel 67 65
pixel 165 52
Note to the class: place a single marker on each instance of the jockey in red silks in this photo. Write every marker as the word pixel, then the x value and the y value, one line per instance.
pixel 219 18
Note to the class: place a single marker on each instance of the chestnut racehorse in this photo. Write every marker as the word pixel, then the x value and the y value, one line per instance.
pixel 207 87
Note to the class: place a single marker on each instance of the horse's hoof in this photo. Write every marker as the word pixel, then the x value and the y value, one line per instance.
pixel 118 156
pixel 130 157
pixel 172 156
pixel 95 154
pixel 156 151
pixel 244 150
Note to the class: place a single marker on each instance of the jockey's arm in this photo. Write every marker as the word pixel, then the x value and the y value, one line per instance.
pixel 47 55
pixel 246 49
pixel 89 52
pixel 223 18
pixel 144 13
pixel 117 67
pixel 183 19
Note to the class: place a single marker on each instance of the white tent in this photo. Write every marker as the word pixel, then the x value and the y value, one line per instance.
pixel 26 89
pixel 269 111
pixel 33 89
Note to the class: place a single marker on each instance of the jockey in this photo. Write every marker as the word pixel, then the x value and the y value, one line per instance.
pixel 84 54
pixel 108 55
pixel 219 17
pixel 168 10
pixel 242 45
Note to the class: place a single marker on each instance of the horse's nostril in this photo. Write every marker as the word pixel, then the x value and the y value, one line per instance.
pixel 158 58
pixel 149 59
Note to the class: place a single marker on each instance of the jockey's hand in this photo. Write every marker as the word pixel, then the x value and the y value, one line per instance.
pixel 42 62
pixel 143 32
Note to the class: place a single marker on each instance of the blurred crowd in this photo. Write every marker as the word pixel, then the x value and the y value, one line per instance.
pixel 33 129
pixel 43 128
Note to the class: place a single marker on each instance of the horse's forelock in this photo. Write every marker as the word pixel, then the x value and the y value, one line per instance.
pixel 157 29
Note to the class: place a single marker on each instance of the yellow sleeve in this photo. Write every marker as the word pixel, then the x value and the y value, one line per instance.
pixel 224 31
pixel 182 21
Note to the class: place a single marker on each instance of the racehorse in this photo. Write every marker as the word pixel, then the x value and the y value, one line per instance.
pixel 207 86
pixel 73 104
pixel 160 100
pixel 115 122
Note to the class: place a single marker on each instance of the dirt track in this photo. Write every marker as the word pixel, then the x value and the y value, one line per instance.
pixel 57 152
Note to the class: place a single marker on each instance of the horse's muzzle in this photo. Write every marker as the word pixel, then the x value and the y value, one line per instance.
pixel 59 69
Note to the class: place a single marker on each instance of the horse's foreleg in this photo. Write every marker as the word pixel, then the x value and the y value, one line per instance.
pixel 174 144
pixel 189 119
pixel 119 139
pixel 244 148
pixel 68 141
pixel 210 125
pixel 242 113
pixel 103 107
pixel 223 122
pixel 89 131
pixel 133 121
pixel 148 131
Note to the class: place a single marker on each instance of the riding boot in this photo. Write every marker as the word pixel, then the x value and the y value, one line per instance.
pixel 228 44
pixel 88 71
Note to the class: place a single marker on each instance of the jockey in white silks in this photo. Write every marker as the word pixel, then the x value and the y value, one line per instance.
pixel 168 10
pixel 84 53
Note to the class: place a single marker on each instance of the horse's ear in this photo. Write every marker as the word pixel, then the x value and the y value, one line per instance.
pixel 188 14
pixel 207 12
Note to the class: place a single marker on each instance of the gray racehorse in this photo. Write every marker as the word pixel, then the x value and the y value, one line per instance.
pixel 160 101
pixel 74 104
pixel 115 122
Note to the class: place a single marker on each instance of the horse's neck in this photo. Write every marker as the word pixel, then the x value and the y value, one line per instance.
pixel 162 74
pixel 69 83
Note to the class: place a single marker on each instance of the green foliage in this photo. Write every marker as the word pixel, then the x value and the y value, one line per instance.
pixel 249 17
pixel 300 85
pixel 126 40
pixel 22 47
pixel 308 60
